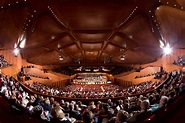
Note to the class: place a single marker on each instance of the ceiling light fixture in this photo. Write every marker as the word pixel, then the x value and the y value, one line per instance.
pixel 122 58
pixel 16 52
pixel 167 49
pixel 121 50
pixel 22 43
pixel 61 58
pixel 161 43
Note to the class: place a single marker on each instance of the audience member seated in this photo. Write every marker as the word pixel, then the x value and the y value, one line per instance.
pixel 143 114
pixel 162 104
pixel 58 116
pixel 104 114
pixel 27 78
pixel 87 117
pixel 121 117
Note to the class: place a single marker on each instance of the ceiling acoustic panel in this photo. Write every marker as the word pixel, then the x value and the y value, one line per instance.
pixel 91 37
pixel 53 58
pixel 140 30
pixel 11 25
pixel 181 2
pixel 91 54
pixel 104 58
pixel 29 53
pixel 89 32
pixel 61 41
pixel 93 61
pixel 132 57
pixel 44 31
pixel 91 46
pixel 71 50
pixel 111 49
pixel 93 15
pixel 172 23
pixel 123 41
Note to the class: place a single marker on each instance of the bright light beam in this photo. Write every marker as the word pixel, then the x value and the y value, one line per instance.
pixel 16 51
pixel 167 49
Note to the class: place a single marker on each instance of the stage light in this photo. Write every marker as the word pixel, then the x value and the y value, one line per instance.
pixel 61 58
pixel 23 43
pixel 15 45
pixel 122 58
pixel 161 43
pixel 167 49
pixel 16 52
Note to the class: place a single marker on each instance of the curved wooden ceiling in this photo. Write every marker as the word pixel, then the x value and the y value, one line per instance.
pixel 92 32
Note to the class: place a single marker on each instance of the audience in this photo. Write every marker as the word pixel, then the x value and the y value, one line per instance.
pixel 93 91
pixel 3 62
pixel 128 109
pixel 156 75
pixel 36 76
pixel 29 75
pixel 180 61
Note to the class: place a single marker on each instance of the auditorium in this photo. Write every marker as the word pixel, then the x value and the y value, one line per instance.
pixel 92 61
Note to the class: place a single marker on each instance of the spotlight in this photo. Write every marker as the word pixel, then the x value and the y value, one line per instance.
pixel 61 58
pixel 16 52
pixel 161 43
pixel 22 43
pixel 167 49
pixel 122 58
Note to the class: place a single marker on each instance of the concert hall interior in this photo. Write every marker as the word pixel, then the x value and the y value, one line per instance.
pixel 92 61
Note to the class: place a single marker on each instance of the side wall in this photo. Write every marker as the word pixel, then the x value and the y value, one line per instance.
pixel 18 62
pixel 165 61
